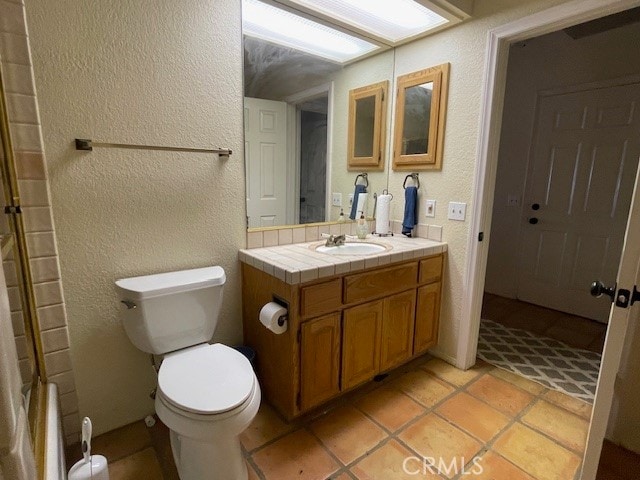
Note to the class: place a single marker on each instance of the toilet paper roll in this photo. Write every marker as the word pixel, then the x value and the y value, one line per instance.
pixel 274 317
pixel 383 207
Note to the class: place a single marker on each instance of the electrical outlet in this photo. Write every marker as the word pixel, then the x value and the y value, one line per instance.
pixel 430 210
pixel 513 200
pixel 336 199
pixel 457 211
pixel 350 200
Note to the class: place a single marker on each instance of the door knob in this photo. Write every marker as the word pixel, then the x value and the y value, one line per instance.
pixel 533 220
pixel 598 289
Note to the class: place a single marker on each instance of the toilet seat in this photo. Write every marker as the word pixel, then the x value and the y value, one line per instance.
pixel 206 379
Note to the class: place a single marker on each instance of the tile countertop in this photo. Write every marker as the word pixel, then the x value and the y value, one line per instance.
pixel 300 263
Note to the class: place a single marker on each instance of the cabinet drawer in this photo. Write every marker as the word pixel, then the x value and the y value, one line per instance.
pixel 381 282
pixel 320 298
pixel 431 269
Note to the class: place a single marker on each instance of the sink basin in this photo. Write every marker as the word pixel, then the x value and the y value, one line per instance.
pixel 352 248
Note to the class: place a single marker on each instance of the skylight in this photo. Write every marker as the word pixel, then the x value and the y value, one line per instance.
pixel 279 26
pixel 393 20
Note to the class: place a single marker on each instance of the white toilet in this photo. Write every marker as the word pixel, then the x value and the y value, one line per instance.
pixel 207 394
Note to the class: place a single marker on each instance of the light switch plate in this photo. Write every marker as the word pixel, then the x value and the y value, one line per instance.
pixel 430 210
pixel 457 211
pixel 350 200
pixel 336 199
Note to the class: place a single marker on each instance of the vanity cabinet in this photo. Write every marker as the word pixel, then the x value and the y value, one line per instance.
pixel 342 331
pixel 361 332
pixel 320 343
pixel 396 345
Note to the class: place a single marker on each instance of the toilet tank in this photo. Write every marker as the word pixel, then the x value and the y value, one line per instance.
pixel 170 311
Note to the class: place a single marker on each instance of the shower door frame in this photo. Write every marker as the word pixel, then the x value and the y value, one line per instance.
pixel 36 409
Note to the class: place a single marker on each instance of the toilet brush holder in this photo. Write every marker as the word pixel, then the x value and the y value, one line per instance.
pixel 91 467
pixel 95 469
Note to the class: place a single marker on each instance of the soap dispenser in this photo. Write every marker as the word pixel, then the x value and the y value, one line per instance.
pixel 362 228
pixel 341 218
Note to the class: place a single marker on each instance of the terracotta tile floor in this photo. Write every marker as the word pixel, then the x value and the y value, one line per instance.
pixel 575 331
pixel 483 419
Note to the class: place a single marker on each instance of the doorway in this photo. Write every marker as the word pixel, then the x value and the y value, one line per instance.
pixel 499 42
pixel 312 128
pixel 569 150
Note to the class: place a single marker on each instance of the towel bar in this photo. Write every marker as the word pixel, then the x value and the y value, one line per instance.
pixel 87 144
pixel 414 177
pixel 364 177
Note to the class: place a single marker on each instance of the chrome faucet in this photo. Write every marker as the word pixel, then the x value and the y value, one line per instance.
pixel 335 240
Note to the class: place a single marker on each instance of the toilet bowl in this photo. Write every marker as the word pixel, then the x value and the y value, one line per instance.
pixel 205 426
pixel 207 393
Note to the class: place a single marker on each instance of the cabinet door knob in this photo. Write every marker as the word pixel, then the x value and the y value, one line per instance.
pixel 535 206
pixel 533 220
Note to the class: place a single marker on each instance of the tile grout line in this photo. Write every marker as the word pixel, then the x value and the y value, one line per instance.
pixel 486 446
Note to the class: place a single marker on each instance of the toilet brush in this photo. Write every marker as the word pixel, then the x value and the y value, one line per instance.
pixel 87 429
pixel 91 467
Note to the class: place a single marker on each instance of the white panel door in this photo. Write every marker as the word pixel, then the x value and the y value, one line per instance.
pixel 265 136
pixel 628 276
pixel 580 180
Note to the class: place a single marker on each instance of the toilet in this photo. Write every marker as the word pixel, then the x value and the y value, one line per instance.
pixel 207 394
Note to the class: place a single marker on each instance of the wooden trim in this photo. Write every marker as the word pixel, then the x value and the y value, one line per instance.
pixel 379 91
pixel 432 159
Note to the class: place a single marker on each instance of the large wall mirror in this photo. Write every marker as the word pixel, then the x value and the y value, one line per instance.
pixel 420 118
pixel 296 124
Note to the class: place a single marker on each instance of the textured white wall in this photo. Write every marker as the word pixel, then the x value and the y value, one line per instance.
pixel 464 47
pixel 165 73
pixel 171 74
pixel 550 61
pixel 365 72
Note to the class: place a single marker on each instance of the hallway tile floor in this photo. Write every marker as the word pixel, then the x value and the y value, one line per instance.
pixel 553 364
pixel 575 331
pixel 484 423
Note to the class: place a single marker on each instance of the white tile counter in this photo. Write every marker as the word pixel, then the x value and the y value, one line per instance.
pixel 300 263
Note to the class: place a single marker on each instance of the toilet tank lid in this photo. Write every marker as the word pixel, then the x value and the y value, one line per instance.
pixel 148 286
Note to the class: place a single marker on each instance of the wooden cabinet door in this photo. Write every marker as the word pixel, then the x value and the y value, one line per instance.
pixel 427 317
pixel 397 329
pixel 361 331
pixel 320 360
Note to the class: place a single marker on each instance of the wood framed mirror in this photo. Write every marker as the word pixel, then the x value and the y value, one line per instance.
pixel 421 106
pixel 367 117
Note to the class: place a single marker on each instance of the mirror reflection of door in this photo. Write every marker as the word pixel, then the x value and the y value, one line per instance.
pixel 365 122
pixel 265 161
pixel 417 112
pixel 313 159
